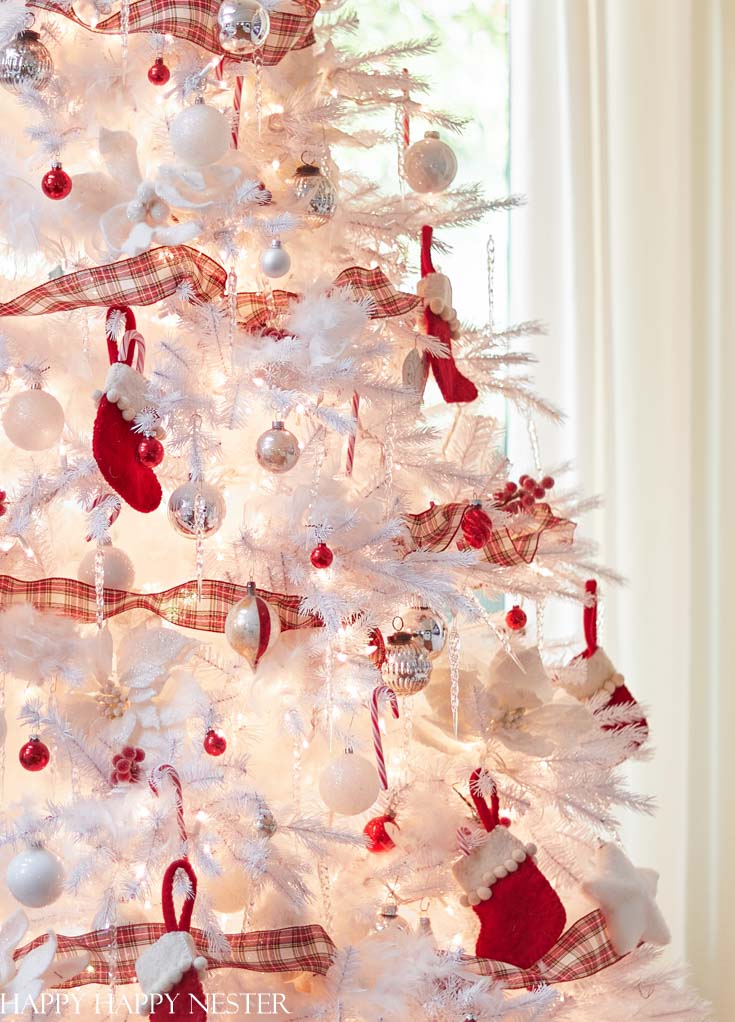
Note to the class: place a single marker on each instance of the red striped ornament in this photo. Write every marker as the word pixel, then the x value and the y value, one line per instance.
pixel 252 626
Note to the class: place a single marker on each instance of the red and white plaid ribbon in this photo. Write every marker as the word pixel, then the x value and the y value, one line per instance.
pixel 292 949
pixel 158 274
pixel 154 782
pixel 196 21
pixel 380 692
pixel 516 543
pixel 581 951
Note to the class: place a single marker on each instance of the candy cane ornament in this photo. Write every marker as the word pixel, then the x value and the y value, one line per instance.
pixel 154 783
pixel 355 409
pixel 378 692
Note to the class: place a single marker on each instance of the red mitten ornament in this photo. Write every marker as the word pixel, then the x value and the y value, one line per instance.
pixel 170 970
pixel 122 454
pixel 521 916
pixel 600 674
pixel 440 321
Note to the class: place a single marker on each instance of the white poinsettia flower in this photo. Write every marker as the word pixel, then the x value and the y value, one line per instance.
pixel 26 978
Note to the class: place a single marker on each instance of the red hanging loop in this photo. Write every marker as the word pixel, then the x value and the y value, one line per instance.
pixel 427 237
pixel 489 815
pixel 590 619
pixel 167 896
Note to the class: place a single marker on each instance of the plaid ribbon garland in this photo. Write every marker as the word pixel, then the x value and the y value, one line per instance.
pixel 152 276
pixel 437 527
pixel 292 949
pixel 178 605
pixel 581 951
pixel 196 21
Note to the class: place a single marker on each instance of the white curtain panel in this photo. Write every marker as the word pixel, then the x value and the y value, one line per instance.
pixel 623 139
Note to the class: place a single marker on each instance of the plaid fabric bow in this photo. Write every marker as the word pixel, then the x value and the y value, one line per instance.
pixel 196 21
pixel 581 951
pixel 437 527
pixel 178 605
pixel 292 949
pixel 159 273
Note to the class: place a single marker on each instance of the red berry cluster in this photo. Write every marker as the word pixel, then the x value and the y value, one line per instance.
pixel 523 494
pixel 126 768
pixel 3 502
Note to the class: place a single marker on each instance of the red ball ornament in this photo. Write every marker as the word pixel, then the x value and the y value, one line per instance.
pixel 150 452
pixel 56 183
pixel 476 527
pixel 321 556
pixel 34 755
pixel 379 840
pixel 516 618
pixel 214 743
pixel 158 73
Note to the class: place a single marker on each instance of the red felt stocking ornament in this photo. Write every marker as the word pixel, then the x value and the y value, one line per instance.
pixel 170 970
pixel 115 444
pixel 600 674
pixel 521 916
pixel 455 388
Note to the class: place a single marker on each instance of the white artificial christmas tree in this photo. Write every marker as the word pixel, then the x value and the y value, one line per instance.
pixel 278 714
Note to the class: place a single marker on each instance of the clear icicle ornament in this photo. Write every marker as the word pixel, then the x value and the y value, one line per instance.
pixel 407 665
pixel 454 652
pixel 316 194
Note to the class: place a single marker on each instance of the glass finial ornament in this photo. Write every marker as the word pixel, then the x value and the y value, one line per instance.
pixel 25 61
pixel 199 134
pixel 34 755
pixel 429 164
pixel 56 183
pixel 196 509
pixel 158 72
pixel 252 626
pixel 407 665
pixel 516 619
pixel 277 450
pixel 243 26
pixel 317 196
pixel 33 420
pixel 427 626
pixel 275 262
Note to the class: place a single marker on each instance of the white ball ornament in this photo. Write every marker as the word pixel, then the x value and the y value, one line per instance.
pixel 349 784
pixel 275 261
pixel 33 420
pixel 430 164
pixel 118 569
pixel 200 135
pixel 230 891
pixel 35 877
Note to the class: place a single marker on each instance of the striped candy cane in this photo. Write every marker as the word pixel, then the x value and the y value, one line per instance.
pixel 236 108
pixel 378 692
pixel 154 782
pixel 406 119
pixel 355 409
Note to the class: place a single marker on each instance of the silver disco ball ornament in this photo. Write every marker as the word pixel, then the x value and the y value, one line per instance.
pixel 407 665
pixel 317 196
pixel 196 509
pixel 25 61
pixel 243 26
pixel 277 450
pixel 428 627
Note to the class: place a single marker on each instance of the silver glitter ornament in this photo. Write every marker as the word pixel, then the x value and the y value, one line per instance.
pixel 243 26
pixel 277 450
pixel 25 61
pixel 196 509
pixel 407 667
pixel 316 194
pixel 427 626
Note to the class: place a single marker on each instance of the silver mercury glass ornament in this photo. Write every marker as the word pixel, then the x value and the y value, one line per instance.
pixel 407 666
pixel 277 450
pixel 25 61
pixel 429 627
pixel 243 26
pixel 316 194
pixel 388 919
pixel 196 509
